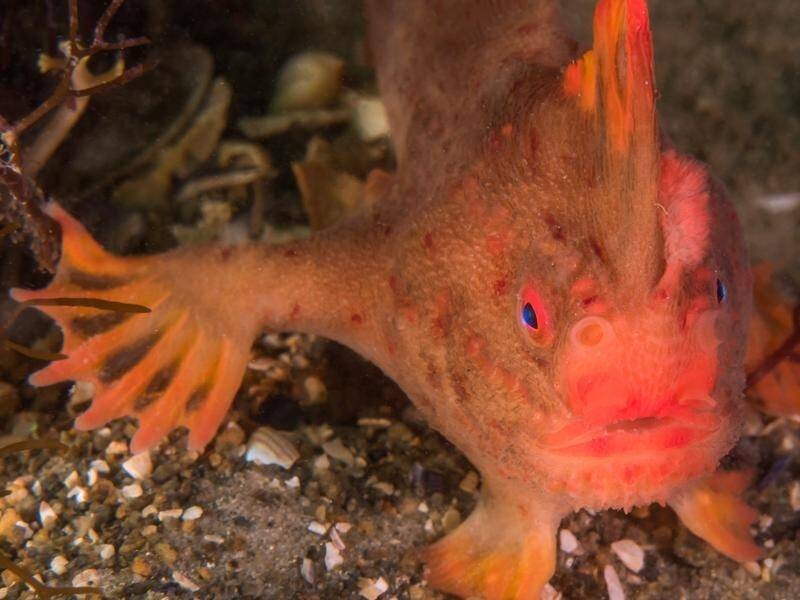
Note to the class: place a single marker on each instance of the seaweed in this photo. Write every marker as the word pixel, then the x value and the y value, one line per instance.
pixel 20 198
pixel 43 592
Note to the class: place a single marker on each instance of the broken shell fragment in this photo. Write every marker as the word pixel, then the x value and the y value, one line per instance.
pixel 308 80
pixel 270 447
pixel 630 553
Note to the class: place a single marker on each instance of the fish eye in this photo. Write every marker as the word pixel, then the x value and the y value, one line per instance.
pixel 529 316
pixel 722 292
pixel 533 317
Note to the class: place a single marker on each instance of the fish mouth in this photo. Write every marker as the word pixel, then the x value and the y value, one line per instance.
pixel 672 427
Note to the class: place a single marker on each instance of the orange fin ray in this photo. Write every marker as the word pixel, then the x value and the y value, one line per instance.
pixel 713 510
pixel 179 364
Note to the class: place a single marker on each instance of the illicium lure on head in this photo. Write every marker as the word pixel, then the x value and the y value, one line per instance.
pixel 562 294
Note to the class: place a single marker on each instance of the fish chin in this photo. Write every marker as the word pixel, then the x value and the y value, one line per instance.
pixel 633 462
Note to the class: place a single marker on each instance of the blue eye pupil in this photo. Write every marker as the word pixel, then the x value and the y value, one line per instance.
pixel 529 316
pixel 722 292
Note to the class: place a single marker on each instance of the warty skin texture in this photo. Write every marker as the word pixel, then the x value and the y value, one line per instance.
pixel 518 182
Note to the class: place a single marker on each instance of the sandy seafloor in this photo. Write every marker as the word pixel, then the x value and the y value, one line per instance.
pixel 729 78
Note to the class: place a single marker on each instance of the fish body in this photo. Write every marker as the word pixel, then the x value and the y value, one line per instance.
pixel 560 292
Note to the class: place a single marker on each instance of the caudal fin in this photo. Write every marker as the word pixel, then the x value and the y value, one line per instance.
pixel 148 332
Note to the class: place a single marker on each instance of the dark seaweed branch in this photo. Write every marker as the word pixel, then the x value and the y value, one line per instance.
pixel 43 592
pixel 20 198
pixel 98 303
pixel 75 53
pixel 786 351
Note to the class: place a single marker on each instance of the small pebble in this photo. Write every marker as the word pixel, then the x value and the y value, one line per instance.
pixel 91 477
pixel 322 463
pixel 107 551
pixel 192 513
pixel 372 590
pixel 613 584
pixel 550 593
pixel 214 539
pixel 338 451
pixel 89 577
pixel 332 556
pixel 470 483
pixel 376 422
pixel 79 493
pixel 753 568
pixel 336 539
pixel 794 496
pixel 451 519
pixel 567 540
pixel 72 480
pixel 117 447
pixel 100 466
pixel 630 553
pixel 307 570
pixel 370 120
pixel 293 483
pixel 317 527
pixel 183 581
pixel 47 516
pixel 139 466
pixel 59 564
pixel 173 513
pixel 316 390
pixel 384 487
pixel 343 527
pixel 141 567
pixel 149 511
pixel 80 392
pixel 132 491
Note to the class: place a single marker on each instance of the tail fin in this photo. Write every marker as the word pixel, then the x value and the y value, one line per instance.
pixel 179 364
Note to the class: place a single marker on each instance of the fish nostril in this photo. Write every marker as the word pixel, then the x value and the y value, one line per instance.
pixel 591 331
pixel 591 335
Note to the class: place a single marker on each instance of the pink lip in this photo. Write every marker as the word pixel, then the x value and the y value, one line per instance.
pixel 671 427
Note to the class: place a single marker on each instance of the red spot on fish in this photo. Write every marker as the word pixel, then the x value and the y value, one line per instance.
pixel 474 346
pixel 496 243
pixel 393 283
pixel 495 142
pixel 409 313
pixel 427 240
pixel 500 287
pixel 582 287
pixel 225 253
pixel 527 28
pixel 295 311
pixel 291 253
pixel 555 227
pixel 356 318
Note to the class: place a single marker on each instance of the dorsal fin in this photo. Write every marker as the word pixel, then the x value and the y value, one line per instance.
pixel 614 83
